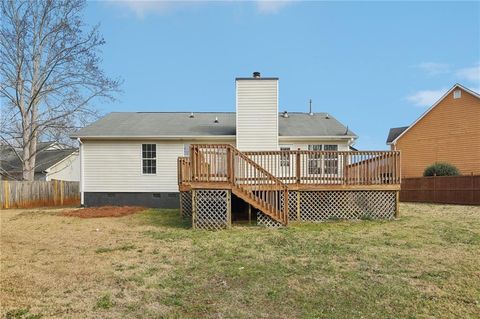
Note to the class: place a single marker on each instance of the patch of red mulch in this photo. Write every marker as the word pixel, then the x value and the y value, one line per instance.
pixel 103 211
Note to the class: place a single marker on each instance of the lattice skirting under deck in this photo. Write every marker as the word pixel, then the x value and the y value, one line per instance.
pixel 267 221
pixel 211 209
pixel 292 204
pixel 324 205
pixel 186 205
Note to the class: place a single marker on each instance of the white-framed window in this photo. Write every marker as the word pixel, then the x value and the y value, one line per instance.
pixel 314 160
pixel 149 159
pixel 324 163
pixel 457 94
pixel 331 160
pixel 285 157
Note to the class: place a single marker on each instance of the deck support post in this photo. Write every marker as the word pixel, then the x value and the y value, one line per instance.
pixel 181 204
pixel 298 205
pixel 229 209
pixel 397 200
pixel 194 209
pixel 249 214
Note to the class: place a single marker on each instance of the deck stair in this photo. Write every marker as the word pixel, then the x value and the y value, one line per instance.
pixel 223 165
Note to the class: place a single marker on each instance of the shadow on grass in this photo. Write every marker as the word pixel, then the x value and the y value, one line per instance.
pixel 168 218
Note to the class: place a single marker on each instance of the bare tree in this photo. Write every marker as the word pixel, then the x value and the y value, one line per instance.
pixel 49 73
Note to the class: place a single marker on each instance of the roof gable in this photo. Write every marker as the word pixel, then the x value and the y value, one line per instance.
pixel 456 86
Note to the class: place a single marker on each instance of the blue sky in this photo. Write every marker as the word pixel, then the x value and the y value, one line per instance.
pixel 372 65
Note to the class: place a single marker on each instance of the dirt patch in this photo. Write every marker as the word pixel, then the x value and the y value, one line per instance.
pixel 104 211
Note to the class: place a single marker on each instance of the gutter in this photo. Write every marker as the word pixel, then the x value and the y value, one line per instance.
pixel 312 138
pixel 159 137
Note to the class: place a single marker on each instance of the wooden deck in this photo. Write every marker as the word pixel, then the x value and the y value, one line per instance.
pixel 264 179
pixel 300 170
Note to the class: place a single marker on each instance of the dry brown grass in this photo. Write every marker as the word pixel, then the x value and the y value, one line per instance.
pixel 150 265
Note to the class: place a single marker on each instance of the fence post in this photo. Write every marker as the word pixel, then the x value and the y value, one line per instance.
pixel 6 191
pixel 61 192
pixel 473 191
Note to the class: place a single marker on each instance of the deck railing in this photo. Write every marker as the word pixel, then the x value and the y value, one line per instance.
pixel 215 163
pixel 223 163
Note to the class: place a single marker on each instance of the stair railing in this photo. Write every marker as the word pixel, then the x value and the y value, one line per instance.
pixel 225 163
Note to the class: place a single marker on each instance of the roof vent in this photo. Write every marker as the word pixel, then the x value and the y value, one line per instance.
pixel 310 112
pixel 216 120
pixel 327 116
pixel 256 75
pixel 191 115
pixel 285 114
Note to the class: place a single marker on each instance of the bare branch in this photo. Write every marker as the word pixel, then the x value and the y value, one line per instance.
pixel 49 73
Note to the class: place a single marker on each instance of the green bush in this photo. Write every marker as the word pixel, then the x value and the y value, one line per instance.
pixel 441 169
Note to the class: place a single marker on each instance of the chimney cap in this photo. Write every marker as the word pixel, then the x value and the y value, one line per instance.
pixel 256 75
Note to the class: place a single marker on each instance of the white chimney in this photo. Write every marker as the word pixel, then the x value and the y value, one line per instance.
pixel 257 113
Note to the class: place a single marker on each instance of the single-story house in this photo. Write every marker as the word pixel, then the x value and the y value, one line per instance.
pixel 449 131
pixel 149 158
pixel 54 161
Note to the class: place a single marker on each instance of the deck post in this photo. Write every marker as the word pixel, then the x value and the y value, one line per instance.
pixel 229 209
pixel 297 167
pixel 194 209
pixel 249 214
pixel 298 205
pixel 181 204
pixel 397 208
pixel 229 165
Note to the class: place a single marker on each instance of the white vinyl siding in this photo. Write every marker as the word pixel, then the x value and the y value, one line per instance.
pixel 66 170
pixel 116 166
pixel 257 115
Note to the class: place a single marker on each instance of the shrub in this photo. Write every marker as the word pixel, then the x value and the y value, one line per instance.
pixel 441 169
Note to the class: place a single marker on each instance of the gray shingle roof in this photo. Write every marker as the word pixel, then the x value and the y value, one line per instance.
pixel 395 132
pixel 11 163
pixel 173 124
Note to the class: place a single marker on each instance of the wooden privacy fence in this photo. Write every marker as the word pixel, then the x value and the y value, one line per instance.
pixel 21 194
pixel 442 189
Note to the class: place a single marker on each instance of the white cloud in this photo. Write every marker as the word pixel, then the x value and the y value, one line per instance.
pixel 143 7
pixel 426 97
pixel 470 74
pixel 434 68
pixel 271 6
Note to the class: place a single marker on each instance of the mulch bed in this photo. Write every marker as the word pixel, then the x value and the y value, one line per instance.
pixel 103 211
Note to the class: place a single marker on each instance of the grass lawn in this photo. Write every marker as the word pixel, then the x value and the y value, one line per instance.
pixel 425 265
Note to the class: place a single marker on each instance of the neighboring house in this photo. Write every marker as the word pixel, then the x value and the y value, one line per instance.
pixel 131 158
pixel 449 131
pixel 53 161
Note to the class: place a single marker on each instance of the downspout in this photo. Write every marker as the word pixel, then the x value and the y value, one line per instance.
pixel 82 202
